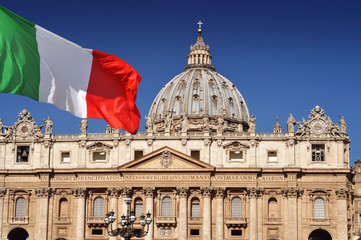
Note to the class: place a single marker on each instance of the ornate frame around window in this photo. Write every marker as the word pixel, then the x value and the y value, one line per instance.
pixel 98 147
pixel 14 195
pixel 234 147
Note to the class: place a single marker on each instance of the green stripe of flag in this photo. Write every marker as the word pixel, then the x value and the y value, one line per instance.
pixel 19 57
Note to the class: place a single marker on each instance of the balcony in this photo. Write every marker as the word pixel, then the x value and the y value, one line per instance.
pixel 62 220
pixel 166 221
pixel 19 220
pixel 272 221
pixel 195 220
pixel 319 221
pixel 236 222
pixel 95 221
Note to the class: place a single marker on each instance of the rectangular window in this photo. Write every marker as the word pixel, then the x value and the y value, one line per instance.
pixel 97 231
pixel 22 154
pixel 236 232
pixel 195 210
pixel 138 154
pixel 236 156
pixel 318 153
pixel 194 232
pixel 195 154
pixel 272 156
pixel 65 157
pixel 99 156
pixel 138 209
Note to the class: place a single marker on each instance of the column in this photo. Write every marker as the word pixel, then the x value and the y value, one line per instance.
pixel 42 207
pixel 253 225
pixel 125 192
pixel 292 194
pixel 2 195
pixel 342 195
pixel 183 214
pixel 114 195
pixel 260 213
pixel 220 213
pixel 79 194
pixel 149 207
pixel 206 220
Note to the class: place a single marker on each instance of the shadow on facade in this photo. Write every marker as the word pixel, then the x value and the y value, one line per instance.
pixel 18 234
pixel 320 234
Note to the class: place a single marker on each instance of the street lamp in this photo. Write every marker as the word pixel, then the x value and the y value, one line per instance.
pixel 127 230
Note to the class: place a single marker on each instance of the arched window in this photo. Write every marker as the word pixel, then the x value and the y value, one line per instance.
pixel 195 210
pixel 166 207
pixel 272 208
pixel 236 207
pixel 99 207
pixel 319 208
pixel 63 208
pixel 138 207
pixel 20 207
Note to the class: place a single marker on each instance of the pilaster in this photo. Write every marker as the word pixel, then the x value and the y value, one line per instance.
pixel 342 195
pixel 220 192
pixel 149 207
pixel 183 219
pixel 253 225
pixel 42 195
pixel 207 221
pixel 80 195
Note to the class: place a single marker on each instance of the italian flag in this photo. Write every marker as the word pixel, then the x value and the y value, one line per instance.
pixel 43 66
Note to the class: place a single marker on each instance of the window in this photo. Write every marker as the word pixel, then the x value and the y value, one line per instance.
pixel 65 157
pixel 272 156
pixel 195 154
pixel 22 154
pixel 318 153
pixel 167 207
pixel 63 208
pixel 319 208
pixel 194 232
pixel 272 208
pixel 195 210
pixel 236 207
pixel 98 207
pixel 20 207
pixel 236 156
pixel 138 154
pixel 236 232
pixel 138 207
pixel 97 231
pixel 99 156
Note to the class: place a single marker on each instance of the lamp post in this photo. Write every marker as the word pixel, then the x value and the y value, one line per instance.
pixel 127 230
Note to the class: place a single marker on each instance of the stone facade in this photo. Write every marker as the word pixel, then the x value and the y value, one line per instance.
pixel 201 175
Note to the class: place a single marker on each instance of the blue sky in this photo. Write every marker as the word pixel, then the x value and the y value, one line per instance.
pixel 283 56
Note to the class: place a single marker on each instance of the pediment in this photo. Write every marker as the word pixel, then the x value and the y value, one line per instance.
pixel 166 159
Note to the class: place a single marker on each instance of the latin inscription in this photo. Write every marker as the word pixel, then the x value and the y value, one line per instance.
pixel 84 178
pixel 166 177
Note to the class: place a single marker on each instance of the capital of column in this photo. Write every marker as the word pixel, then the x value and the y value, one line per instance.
pixel 206 191
pixel 79 192
pixel 183 192
pixel 43 192
pixel 342 193
pixel 292 192
pixel 114 192
pixel 220 192
pixel 253 192
pixel 2 192
pixel 125 191
pixel 149 192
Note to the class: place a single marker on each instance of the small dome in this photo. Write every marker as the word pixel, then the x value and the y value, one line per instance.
pixel 198 99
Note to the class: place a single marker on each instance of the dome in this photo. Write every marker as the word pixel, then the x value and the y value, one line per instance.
pixel 198 99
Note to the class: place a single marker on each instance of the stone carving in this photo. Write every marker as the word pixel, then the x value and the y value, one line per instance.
pixel 291 122
pixel 342 193
pixel 114 192
pixel 43 192
pixel 277 127
pixel 343 125
pixel 185 124
pixel 253 192
pixel 166 159
pixel 149 191
pixel 183 192
pixel 125 192
pixel 220 122
pixel 220 192
pixel 166 232
pixel 83 125
pixel 206 191
pixel 149 124
pixel 79 192
pixel 1 126
pixel 319 125
pixel 252 124
pixel 292 192
pixel 48 126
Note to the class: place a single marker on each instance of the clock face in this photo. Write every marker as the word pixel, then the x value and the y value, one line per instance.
pixel 23 129
pixel 318 126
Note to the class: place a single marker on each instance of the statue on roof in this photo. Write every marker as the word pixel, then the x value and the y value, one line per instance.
pixel 83 125
pixel 252 124
pixel 343 125
pixel 48 126
pixel 291 122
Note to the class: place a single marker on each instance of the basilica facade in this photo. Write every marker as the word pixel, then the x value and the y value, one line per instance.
pixel 201 170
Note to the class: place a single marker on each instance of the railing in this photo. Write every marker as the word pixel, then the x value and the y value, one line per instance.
pixel 63 219
pixel 19 220
pixel 95 219
pixel 319 221
pixel 273 220
pixel 195 219
pixel 236 221
pixel 165 221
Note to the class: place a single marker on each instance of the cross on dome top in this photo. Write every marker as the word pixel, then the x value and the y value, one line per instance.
pixel 200 24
